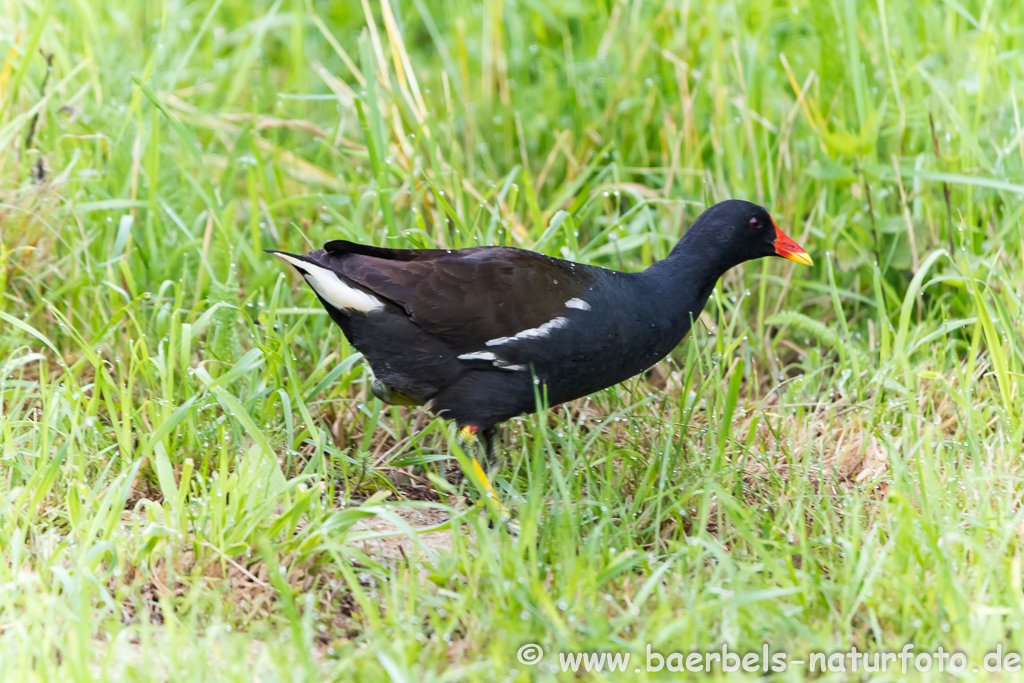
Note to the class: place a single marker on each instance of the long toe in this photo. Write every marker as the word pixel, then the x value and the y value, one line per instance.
pixel 512 526
pixel 392 396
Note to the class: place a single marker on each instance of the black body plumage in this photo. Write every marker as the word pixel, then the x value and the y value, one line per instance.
pixel 481 334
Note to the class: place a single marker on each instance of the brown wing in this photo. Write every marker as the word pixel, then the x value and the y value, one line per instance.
pixel 464 296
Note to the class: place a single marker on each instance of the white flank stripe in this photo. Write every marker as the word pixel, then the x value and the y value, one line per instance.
pixel 577 303
pixel 478 355
pixel 333 290
pixel 518 368
pixel 532 333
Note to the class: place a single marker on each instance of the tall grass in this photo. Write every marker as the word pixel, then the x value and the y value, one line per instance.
pixel 197 482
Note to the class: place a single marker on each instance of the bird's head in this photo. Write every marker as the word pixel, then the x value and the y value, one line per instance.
pixel 735 231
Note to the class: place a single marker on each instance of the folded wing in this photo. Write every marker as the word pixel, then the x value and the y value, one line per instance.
pixel 466 297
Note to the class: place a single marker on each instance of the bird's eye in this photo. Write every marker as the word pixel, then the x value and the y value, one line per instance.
pixel 754 223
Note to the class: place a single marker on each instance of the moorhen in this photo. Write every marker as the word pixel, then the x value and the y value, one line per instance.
pixel 482 334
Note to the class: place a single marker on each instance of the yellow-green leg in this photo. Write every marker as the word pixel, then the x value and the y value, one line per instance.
pixel 469 435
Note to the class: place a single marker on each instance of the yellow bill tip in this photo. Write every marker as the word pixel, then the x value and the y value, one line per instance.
pixel 801 257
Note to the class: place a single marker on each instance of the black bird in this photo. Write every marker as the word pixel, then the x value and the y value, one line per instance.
pixel 478 335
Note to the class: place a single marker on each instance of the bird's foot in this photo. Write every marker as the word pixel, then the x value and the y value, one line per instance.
pixel 468 437
pixel 392 396
pixel 490 495
pixel 512 527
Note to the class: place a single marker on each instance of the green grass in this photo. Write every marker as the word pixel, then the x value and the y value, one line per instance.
pixel 195 475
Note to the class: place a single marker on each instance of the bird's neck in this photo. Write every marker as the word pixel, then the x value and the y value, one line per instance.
pixel 684 281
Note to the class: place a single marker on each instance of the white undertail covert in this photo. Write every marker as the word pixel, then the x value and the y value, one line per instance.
pixel 333 289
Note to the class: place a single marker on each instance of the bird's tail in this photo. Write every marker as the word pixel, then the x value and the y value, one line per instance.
pixel 332 287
